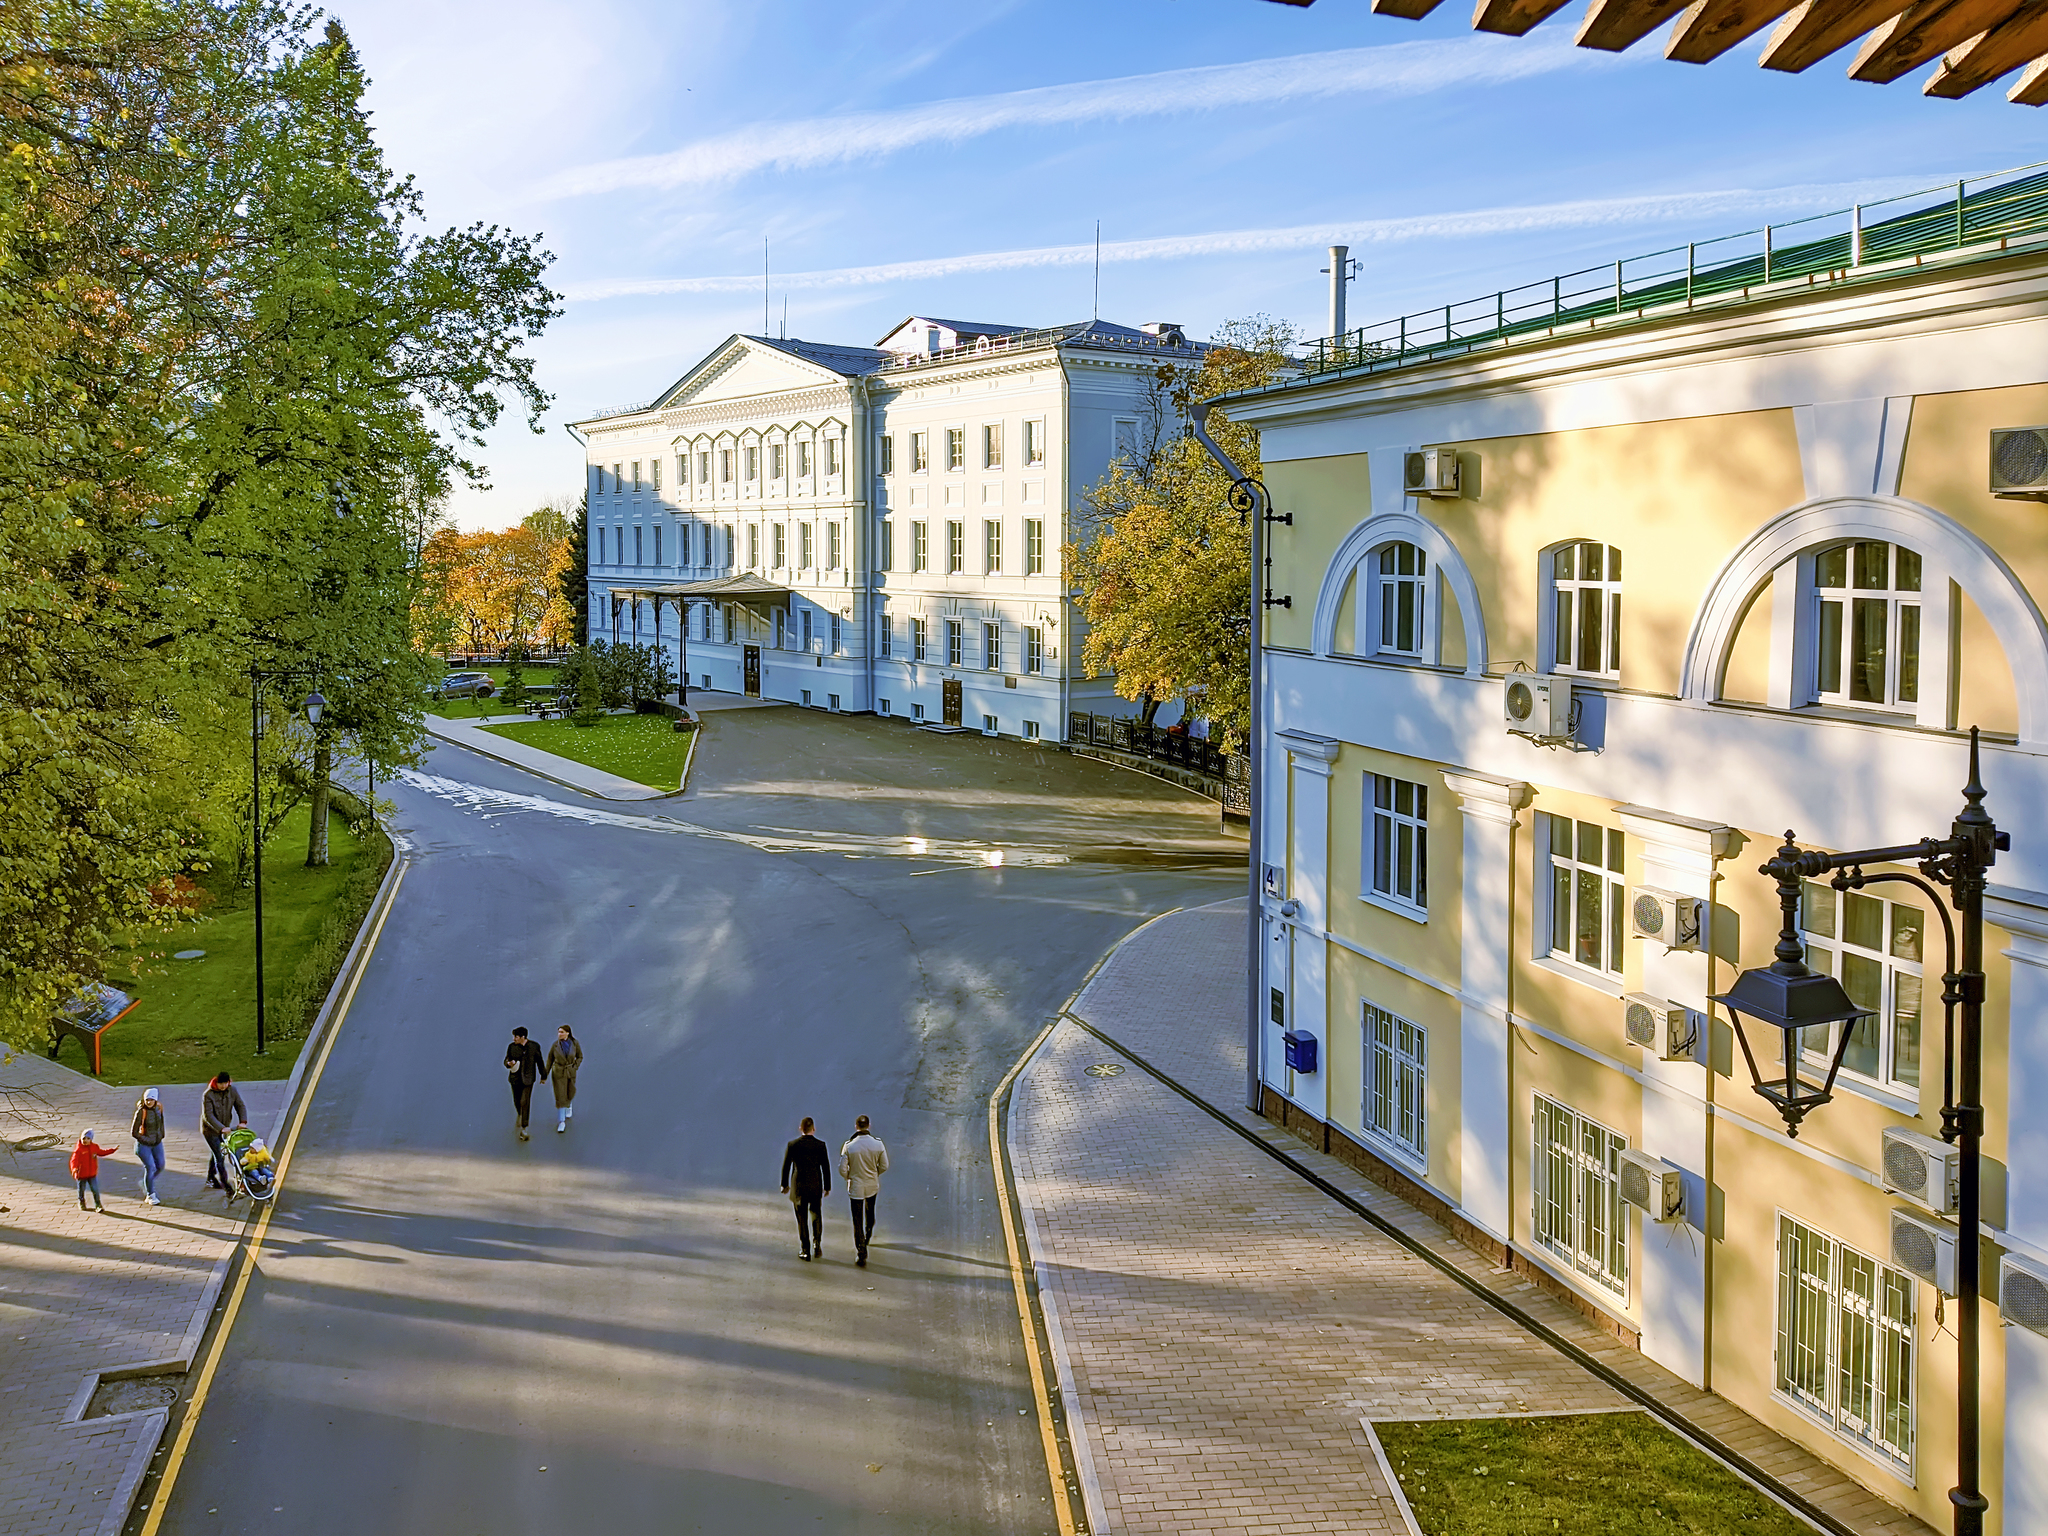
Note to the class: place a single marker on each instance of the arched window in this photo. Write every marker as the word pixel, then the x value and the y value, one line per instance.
pixel 1867 625
pixel 1400 600
pixel 1585 609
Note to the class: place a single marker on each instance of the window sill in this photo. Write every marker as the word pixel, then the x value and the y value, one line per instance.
pixel 1883 1460
pixel 1416 915
pixel 1399 1153
pixel 1585 976
pixel 1898 1103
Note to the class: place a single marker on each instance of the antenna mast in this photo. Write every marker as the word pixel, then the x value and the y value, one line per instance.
pixel 1098 270
pixel 764 285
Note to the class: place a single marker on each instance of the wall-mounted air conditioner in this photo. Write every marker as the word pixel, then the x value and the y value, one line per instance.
pixel 1925 1169
pixel 1657 1024
pixel 2023 1294
pixel 1671 919
pixel 1652 1186
pixel 1923 1248
pixel 1431 472
pixel 1538 706
pixel 2019 463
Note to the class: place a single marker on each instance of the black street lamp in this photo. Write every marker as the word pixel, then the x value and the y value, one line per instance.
pixel 1791 999
pixel 314 706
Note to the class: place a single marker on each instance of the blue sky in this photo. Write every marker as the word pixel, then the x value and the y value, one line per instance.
pixel 952 158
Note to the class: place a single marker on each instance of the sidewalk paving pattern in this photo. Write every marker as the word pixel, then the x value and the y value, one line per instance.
pixel 82 1293
pixel 1227 1325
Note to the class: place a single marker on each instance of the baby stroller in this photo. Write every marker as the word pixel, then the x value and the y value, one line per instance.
pixel 250 1165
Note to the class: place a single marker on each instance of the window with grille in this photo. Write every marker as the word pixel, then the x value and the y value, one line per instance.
pixel 1034 649
pixel 992 647
pixel 1396 1069
pixel 1400 593
pixel 992 445
pixel 1845 1340
pixel 1034 546
pixel 885 455
pixel 1874 947
pixel 1034 443
pixel 1576 1187
pixel 1585 598
pixel 1867 625
pixel 920 451
pixel 917 639
pixel 992 546
pixel 956 447
pixel 920 547
pixel 1587 903
pixel 1397 858
pixel 956 546
pixel 953 642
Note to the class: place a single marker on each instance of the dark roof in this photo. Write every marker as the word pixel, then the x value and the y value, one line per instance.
pixel 963 327
pixel 851 361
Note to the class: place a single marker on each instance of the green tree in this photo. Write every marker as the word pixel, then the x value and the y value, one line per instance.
pixel 514 691
pixel 572 583
pixel 1163 561
pixel 581 675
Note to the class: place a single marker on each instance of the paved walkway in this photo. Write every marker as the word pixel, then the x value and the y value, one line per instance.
pixel 1226 1325
pixel 82 1293
pixel 561 770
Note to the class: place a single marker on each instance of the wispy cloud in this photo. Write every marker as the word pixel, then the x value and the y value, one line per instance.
pixel 1395 70
pixel 1734 204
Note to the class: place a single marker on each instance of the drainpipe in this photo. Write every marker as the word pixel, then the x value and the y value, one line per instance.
pixel 1249 497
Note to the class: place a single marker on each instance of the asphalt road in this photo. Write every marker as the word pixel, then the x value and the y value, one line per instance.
pixel 453 1332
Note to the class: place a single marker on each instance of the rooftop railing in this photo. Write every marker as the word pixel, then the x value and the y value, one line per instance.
pixel 1989 211
pixel 1024 341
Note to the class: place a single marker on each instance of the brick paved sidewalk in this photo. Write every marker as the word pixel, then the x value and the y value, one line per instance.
pixel 1225 1324
pixel 82 1293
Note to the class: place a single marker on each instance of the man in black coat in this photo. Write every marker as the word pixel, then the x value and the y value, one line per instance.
pixel 811 1165
pixel 526 1066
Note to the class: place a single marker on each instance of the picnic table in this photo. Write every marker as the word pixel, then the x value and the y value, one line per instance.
pixel 88 1015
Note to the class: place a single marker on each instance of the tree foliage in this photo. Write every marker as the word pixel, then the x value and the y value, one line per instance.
pixel 235 376
pixel 1163 562
pixel 494 590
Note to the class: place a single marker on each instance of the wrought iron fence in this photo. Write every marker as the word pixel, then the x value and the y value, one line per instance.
pixel 1120 733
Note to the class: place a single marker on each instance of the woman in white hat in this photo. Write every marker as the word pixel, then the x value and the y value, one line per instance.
pixel 148 1131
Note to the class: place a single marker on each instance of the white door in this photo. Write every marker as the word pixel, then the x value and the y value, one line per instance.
pixel 1279 1005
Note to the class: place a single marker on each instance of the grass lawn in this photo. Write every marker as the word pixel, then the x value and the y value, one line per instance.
pixel 493 707
pixel 644 748
pixel 197 1017
pixel 1589 1474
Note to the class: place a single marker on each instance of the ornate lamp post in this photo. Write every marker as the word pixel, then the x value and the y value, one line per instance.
pixel 1791 999
pixel 313 707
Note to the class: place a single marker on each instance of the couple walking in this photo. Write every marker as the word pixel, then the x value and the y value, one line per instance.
pixel 807 1179
pixel 526 1066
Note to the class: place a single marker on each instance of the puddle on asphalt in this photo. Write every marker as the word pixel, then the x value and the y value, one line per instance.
pixel 490 804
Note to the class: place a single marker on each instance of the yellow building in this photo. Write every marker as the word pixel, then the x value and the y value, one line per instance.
pixel 1707 547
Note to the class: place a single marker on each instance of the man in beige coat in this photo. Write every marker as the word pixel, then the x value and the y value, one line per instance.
pixel 862 1162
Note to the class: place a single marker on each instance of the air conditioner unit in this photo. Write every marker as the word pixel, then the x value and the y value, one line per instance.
pixel 1657 1024
pixel 1537 706
pixel 1923 1168
pixel 1666 916
pixel 2019 463
pixel 1653 1185
pixel 1431 472
pixel 2023 1294
pixel 1926 1249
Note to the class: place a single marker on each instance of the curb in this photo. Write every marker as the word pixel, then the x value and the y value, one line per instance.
pixel 121 1499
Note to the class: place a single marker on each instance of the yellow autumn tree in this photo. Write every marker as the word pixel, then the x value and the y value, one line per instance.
pixel 502 587
pixel 1163 562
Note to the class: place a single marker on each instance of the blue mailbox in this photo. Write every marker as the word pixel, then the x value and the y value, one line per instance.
pixel 1301 1050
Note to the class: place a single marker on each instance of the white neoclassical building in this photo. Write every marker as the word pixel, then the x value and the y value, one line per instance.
pixel 872 528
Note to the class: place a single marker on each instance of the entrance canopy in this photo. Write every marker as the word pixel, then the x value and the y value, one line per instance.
pixel 748 591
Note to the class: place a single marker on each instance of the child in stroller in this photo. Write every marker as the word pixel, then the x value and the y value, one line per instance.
pixel 250 1162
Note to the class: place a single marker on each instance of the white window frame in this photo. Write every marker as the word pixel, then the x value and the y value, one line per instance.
pixel 955 642
pixel 1381 596
pixel 775 461
pixel 832 543
pixel 1034 650
pixel 1034 546
pixel 1847 598
pixel 1612 932
pixel 831 456
pixel 803 458
pixel 1585 1224
pixel 885 454
pixel 992 546
pixel 1034 443
pixel 956 448
pixel 1394 1092
pixel 956 546
pixel 991 647
pixel 920 638
pixel 992 445
pixel 920 453
pixel 1901 979
pixel 886 555
pixel 920 546
pixel 1396 841
pixel 804 546
pixel 1847 1314
pixel 1565 601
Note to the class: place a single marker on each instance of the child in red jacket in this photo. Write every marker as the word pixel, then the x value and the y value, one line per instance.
pixel 85 1167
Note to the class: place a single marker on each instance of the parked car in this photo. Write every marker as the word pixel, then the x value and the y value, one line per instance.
pixel 465 685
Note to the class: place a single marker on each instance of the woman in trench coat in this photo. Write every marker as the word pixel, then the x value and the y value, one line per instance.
pixel 565 1056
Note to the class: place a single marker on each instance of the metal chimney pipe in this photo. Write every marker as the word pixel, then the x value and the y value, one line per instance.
pixel 1340 274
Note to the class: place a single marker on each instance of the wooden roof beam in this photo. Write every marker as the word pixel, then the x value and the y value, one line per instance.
pixel 2031 89
pixel 1407 10
pixel 1513 17
pixel 1617 24
pixel 1818 27
pixel 1709 28
pixel 1999 51
pixel 1924 30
